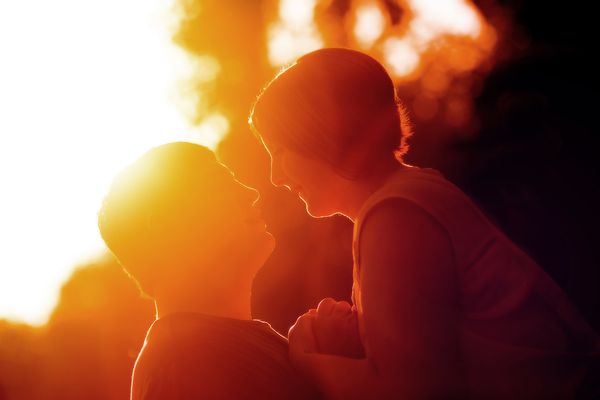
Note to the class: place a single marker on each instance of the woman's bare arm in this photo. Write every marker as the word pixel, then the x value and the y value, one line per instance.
pixel 409 298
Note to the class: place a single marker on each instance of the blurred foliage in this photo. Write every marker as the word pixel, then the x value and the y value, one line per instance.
pixel 87 348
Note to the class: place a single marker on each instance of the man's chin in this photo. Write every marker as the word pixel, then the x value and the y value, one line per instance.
pixel 262 249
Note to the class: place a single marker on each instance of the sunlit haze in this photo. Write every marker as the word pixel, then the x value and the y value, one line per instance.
pixel 85 87
pixel 294 33
pixel 369 24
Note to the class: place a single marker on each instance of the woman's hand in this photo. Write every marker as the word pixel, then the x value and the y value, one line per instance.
pixel 336 377
pixel 301 335
pixel 331 328
pixel 335 328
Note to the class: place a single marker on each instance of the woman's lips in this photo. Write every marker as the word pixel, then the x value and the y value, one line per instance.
pixel 255 219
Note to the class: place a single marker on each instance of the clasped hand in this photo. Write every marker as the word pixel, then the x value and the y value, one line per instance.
pixel 331 328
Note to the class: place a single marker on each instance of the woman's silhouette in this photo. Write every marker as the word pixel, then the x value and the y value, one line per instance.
pixel 447 305
pixel 192 236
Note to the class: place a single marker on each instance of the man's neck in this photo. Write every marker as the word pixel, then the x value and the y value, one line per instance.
pixel 227 304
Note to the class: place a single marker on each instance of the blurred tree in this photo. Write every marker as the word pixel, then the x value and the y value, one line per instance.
pixel 95 333
pixel 21 356
pixel 88 347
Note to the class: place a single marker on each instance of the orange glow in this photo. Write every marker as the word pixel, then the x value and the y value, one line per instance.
pixel 448 34
pixel 86 88
pixel 429 32
pixel 294 33
pixel 436 81
pixel 401 55
pixel 463 58
pixel 425 107
pixel 434 44
pixel 458 112
pixel 369 24
pixel 436 18
pixel 211 131
pixel 196 78
pixel 209 127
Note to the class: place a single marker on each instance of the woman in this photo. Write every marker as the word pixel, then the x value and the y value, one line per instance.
pixel 192 236
pixel 447 305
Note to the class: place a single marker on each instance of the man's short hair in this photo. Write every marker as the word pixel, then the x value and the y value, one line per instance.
pixel 166 184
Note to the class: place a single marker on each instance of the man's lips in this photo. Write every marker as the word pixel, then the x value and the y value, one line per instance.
pixel 255 218
pixel 297 190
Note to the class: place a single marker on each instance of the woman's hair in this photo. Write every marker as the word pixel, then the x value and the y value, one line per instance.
pixel 163 188
pixel 335 105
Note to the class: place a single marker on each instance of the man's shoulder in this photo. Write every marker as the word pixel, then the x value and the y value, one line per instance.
pixel 206 356
pixel 187 338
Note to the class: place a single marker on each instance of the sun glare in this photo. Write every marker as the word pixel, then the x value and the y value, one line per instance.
pixel 441 17
pixel 294 33
pixel 432 20
pixel 369 24
pixel 87 86
pixel 402 48
pixel 211 131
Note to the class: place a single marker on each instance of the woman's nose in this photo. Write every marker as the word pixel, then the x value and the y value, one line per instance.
pixel 277 176
pixel 248 196
pixel 254 196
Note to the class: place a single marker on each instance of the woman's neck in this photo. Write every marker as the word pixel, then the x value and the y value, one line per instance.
pixel 356 193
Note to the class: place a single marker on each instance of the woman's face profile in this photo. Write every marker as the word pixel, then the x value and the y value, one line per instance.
pixel 307 178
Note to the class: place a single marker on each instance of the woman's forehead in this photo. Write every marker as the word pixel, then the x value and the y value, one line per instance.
pixel 269 144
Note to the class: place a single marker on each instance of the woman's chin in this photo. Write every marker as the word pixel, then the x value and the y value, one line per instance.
pixel 265 246
pixel 318 212
pixel 270 242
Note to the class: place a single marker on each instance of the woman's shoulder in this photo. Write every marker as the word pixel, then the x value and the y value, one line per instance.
pixel 425 197
pixel 408 187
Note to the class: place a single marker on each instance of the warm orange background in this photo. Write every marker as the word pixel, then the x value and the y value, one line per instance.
pixel 504 111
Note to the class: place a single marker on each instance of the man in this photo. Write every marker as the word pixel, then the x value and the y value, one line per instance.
pixel 192 237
